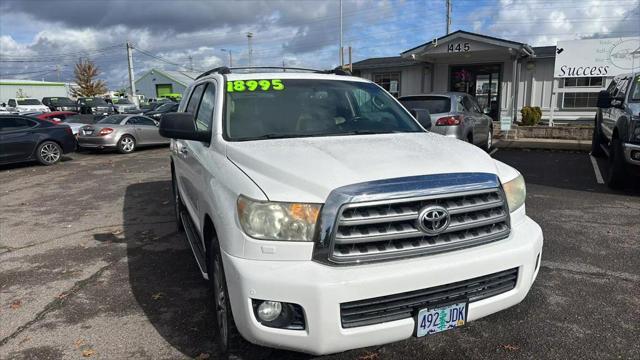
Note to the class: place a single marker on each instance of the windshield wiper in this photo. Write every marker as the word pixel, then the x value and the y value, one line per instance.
pixel 271 136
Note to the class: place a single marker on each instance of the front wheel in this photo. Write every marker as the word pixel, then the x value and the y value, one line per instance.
pixel 487 146
pixel 126 144
pixel 227 337
pixel 596 141
pixel 617 175
pixel 48 153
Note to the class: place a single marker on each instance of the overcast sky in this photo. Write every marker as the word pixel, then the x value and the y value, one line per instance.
pixel 38 35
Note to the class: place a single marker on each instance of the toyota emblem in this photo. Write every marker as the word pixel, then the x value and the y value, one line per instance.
pixel 433 220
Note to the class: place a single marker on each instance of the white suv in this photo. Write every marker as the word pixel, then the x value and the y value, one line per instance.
pixel 326 218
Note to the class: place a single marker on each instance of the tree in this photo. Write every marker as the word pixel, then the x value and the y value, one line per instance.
pixel 85 77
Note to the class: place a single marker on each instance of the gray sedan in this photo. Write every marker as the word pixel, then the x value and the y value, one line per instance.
pixel 122 132
pixel 452 114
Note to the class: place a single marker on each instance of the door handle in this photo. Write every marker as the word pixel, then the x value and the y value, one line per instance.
pixel 184 151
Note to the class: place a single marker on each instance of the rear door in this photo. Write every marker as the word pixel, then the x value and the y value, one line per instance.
pixel 483 121
pixel 147 131
pixel 472 120
pixel 607 122
pixel 17 138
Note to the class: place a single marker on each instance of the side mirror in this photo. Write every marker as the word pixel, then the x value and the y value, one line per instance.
pixel 617 101
pixel 182 126
pixel 423 116
pixel 604 99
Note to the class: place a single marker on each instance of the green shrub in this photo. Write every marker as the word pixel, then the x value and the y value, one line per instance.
pixel 531 115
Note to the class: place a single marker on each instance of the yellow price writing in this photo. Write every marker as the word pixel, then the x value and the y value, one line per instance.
pixel 253 85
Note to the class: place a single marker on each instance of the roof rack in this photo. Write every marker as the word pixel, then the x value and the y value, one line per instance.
pixel 226 70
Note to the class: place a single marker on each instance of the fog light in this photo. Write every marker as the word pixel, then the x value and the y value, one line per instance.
pixel 269 310
pixel 635 155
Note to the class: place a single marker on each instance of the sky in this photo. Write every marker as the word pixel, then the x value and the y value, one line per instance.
pixel 39 36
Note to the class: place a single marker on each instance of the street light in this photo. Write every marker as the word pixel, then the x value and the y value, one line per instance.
pixel 230 57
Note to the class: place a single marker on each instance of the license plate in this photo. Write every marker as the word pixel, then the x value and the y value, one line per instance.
pixel 88 132
pixel 435 320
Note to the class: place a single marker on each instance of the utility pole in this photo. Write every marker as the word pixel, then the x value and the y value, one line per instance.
pixel 190 63
pixel 249 37
pixel 58 71
pixel 132 84
pixel 350 62
pixel 230 58
pixel 341 46
pixel 448 16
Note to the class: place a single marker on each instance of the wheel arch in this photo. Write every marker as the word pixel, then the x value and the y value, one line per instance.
pixel 35 149
pixel 208 231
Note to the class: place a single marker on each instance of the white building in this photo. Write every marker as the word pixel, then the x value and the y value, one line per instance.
pixel 157 83
pixel 486 67
pixel 12 88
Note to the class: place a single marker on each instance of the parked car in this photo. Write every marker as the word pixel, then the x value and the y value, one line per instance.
pixel 24 138
pixel 60 104
pixel 76 122
pixel 150 106
pixel 616 133
pixel 122 132
pixel 325 218
pixel 95 105
pixel 455 115
pixel 124 106
pixel 21 105
pixel 55 116
pixel 163 109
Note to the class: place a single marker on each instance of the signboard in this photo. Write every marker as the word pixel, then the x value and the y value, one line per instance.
pixel 505 123
pixel 393 86
pixel 597 57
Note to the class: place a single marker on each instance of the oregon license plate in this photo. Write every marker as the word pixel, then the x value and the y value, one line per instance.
pixel 435 320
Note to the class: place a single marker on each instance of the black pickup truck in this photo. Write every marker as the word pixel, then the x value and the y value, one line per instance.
pixel 617 129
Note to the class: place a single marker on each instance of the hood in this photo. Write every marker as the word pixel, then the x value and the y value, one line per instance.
pixel 308 169
pixel 42 108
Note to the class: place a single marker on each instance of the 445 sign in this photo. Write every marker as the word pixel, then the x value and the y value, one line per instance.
pixel 458 47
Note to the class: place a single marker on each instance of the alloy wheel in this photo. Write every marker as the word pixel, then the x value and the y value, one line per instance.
pixel 50 153
pixel 127 144
pixel 220 299
pixel 490 139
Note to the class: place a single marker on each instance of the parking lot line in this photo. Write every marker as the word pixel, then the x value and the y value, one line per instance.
pixel 596 169
pixel 493 151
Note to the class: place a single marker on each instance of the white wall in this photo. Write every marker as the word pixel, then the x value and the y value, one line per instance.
pixel 8 91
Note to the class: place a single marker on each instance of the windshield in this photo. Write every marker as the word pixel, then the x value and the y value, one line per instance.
pixel 435 104
pixel 61 101
pixel 29 102
pixel 113 119
pixel 122 101
pixel 635 90
pixel 165 107
pixel 305 108
pixel 93 102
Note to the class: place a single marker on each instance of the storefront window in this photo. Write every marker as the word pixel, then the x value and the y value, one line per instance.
pixel 389 82
pixel 579 100
pixel 584 82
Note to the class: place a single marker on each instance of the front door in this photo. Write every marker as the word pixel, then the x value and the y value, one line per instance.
pixel 480 81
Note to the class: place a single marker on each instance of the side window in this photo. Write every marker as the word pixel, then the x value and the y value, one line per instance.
pixel 194 101
pixel 459 105
pixel 12 124
pixel 622 87
pixel 612 87
pixel 132 121
pixel 12 103
pixel 144 121
pixel 468 105
pixel 204 117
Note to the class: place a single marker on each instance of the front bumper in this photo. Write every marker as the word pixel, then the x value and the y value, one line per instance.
pixel 320 289
pixel 628 149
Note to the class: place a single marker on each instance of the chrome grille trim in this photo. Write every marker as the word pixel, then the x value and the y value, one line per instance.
pixel 376 221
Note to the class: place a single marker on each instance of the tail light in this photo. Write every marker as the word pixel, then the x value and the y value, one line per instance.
pixel 449 120
pixel 105 131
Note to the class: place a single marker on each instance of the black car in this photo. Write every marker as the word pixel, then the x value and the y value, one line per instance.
pixel 24 138
pixel 60 104
pixel 95 105
pixel 163 109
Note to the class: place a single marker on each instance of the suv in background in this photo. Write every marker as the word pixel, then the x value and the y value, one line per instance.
pixel 25 105
pixel 95 105
pixel 616 133
pixel 452 114
pixel 60 104
pixel 326 218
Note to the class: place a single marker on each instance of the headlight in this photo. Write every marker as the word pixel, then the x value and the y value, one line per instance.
pixel 516 193
pixel 276 220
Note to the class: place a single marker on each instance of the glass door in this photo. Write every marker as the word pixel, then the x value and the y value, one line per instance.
pixel 481 81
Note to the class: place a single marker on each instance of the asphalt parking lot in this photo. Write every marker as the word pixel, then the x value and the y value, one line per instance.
pixel 91 267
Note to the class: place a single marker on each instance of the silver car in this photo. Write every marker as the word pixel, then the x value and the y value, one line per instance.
pixel 122 132
pixel 452 114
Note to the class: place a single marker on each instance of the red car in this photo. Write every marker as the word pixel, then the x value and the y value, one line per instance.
pixel 55 116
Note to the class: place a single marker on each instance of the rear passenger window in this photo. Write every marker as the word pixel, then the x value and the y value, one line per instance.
pixel 205 111
pixel 11 124
pixel 194 101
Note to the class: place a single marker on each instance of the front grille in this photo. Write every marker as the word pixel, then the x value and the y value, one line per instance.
pixel 406 305
pixel 388 229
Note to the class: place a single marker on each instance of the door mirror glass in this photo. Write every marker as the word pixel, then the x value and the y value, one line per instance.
pixel 604 99
pixel 182 126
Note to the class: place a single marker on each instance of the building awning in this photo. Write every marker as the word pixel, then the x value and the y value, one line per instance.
pixel 460 42
pixel 384 62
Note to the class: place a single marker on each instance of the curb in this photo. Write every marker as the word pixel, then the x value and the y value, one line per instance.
pixel 545 144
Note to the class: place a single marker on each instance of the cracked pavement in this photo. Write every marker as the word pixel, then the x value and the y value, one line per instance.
pixel 91 267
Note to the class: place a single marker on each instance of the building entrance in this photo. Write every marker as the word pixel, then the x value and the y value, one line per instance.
pixel 481 81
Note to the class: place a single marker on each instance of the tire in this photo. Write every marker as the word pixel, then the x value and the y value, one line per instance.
pixel 487 146
pixel 616 174
pixel 126 144
pixel 227 338
pixel 596 141
pixel 48 153
pixel 178 207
